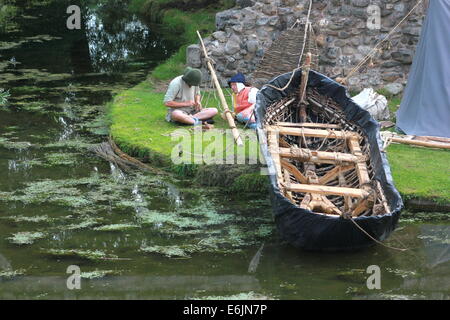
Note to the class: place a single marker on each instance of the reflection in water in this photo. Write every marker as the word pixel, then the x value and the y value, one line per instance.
pixel 67 130
pixel 4 264
pixel 114 42
pixel 436 240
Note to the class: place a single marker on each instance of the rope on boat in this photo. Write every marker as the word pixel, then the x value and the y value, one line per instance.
pixel 368 57
pixel 307 27
pixel 377 241
pixel 371 54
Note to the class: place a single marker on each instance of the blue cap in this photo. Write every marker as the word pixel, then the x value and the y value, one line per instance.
pixel 237 78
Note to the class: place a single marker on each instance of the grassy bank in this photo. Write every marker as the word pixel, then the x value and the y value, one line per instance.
pixel 137 115
pixel 421 173
pixel 138 126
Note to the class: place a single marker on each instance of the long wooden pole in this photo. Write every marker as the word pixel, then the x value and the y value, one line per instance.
pixel 419 143
pixel 223 101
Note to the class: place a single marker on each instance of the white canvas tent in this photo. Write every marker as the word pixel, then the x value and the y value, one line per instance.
pixel 425 108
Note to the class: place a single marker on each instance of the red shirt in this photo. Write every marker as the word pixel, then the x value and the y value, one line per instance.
pixel 242 102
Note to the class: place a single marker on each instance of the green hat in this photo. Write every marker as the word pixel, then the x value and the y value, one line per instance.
pixel 192 77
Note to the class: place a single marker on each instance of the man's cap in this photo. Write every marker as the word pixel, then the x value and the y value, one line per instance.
pixel 192 77
pixel 237 78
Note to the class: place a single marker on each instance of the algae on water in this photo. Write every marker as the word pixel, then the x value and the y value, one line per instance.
pixel 8 275
pixel 240 296
pixel 170 251
pixel 117 227
pixel 80 253
pixel 24 238
pixel 14 145
pixel 98 274
pixel 35 219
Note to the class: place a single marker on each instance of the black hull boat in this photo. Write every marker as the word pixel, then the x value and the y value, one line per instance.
pixel 331 185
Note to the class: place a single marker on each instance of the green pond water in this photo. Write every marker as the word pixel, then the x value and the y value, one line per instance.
pixel 144 236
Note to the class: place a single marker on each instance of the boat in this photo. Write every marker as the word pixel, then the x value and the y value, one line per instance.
pixel 330 183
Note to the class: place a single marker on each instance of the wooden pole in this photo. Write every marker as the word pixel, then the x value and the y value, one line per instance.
pixel 419 143
pixel 223 101
pixel 326 190
pixel 303 85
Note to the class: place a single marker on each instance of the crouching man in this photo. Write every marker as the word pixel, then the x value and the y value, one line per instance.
pixel 245 100
pixel 184 100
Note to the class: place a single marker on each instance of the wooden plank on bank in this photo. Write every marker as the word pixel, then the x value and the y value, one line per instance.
pixel 437 145
pixel 325 190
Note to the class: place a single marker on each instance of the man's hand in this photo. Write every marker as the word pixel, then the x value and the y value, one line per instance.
pixel 190 103
pixel 198 106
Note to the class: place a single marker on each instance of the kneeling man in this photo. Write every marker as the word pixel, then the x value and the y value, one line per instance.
pixel 184 100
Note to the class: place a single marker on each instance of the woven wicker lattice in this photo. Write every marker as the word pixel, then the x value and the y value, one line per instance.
pixel 283 56
pixel 323 112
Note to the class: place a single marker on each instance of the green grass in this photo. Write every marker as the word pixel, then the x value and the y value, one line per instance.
pixel 139 128
pixel 421 172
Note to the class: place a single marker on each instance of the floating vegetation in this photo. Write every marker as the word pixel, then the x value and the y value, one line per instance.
pixel 402 273
pixel 117 227
pixel 87 223
pixel 34 106
pixel 25 238
pixel 58 159
pixel 171 251
pixel 9 275
pixel 98 274
pixel 14 145
pixel 77 144
pixel 416 217
pixel 240 296
pixel 35 219
pixel 201 225
pixel 79 253
pixel 353 275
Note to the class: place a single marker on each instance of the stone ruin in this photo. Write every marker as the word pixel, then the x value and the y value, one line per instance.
pixel 345 32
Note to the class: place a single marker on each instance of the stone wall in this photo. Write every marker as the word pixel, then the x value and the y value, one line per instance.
pixel 346 30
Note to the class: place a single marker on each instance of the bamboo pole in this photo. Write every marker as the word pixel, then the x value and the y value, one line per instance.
pixel 419 143
pixel 303 85
pixel 223 101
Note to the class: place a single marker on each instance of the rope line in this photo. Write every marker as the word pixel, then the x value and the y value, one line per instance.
pixel 372 52
pixel 379 242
